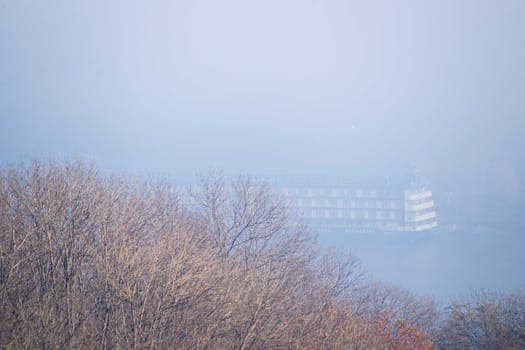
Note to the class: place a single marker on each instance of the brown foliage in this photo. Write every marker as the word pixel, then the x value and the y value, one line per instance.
pixel 340 328
pixel 91 261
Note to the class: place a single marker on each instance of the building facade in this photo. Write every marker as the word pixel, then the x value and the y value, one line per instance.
pixel 360 204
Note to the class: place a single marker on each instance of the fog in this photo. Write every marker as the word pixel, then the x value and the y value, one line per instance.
pixel 442 265
pixel 291 88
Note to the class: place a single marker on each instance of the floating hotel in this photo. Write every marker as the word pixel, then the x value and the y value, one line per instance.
pixel 360 204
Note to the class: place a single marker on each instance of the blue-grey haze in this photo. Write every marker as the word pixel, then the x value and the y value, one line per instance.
pixel 281 88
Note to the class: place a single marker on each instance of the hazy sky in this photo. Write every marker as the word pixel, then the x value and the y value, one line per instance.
pixel 270 87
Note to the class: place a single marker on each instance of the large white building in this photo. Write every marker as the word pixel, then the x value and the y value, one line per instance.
pixel 361 204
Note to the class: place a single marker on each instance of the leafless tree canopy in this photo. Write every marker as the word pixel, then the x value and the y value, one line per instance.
pixel 485 320
pixel 94 261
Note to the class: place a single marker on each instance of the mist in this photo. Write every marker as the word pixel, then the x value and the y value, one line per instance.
pixel 291 88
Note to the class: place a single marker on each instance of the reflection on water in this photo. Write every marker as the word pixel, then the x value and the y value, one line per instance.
pixel 445 263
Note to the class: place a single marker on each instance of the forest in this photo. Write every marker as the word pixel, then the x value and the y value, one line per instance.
pixel 90 260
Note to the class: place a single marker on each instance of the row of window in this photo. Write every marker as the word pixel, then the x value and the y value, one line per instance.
pixel 344 203
pixel 341 192
pixel 427 213
pixel 330 223
pixel 348 214
pixel 419 201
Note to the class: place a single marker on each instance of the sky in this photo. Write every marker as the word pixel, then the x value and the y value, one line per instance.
pixel 268 87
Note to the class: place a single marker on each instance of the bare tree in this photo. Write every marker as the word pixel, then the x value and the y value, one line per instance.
pixel 94 261
pixel 373 299
pixel 47 239
pixel 485 320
